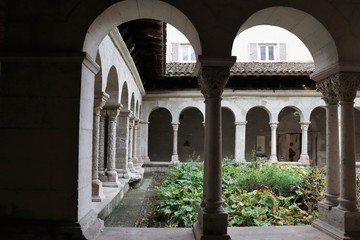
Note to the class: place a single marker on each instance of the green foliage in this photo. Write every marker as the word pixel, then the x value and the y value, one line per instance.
pixel 254 194
pixel 358 188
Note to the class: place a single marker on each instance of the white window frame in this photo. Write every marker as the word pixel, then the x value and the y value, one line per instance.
pixel 267 45
pixel 190 50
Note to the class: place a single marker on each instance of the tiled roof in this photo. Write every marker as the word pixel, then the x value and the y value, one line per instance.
pixel 248 68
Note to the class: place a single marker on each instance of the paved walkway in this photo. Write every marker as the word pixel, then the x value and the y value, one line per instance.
pixel 239 233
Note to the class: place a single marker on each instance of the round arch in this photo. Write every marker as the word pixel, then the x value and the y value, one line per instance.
pixel 160 135
pixel 307 28
pixel 191 134
pixel 257 133
pixel 112 87
pixel 228 132
pixel 129 10
pixel 317 136
pixel 125 96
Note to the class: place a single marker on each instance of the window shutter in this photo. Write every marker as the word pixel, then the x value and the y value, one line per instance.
pixel 175 52
pixel 253 55
pixel 282 52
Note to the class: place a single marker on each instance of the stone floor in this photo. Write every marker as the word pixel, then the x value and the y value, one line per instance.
pixel 239 233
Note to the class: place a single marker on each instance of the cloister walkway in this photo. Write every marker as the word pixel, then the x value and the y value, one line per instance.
pixel 236 233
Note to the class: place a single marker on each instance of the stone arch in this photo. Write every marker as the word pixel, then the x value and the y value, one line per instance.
pixel 317 136
pixel 258 133
pixel 307 28
pixel 125 96
pixel 191 134
pixel 228 132
pixel 132 103
pixel 98 76
pixel 136 113
pixel 160 135
pixel 112 87
pixel 289 131
pixel 129 10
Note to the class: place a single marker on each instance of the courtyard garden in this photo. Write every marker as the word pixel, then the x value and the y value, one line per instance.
pixel 254 194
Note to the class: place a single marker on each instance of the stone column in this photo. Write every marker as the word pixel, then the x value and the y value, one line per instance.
pixel 97 193
pixel 111 174
pixel 131 135
pixel 304 156
pixel 345 87
pixel 144 132
pixel 175 156
pixel 123 144
pixel 212 219
pixel 240 138
pixel 101 153
pixel 135 159
pixel 273 126
pixel 341 221
pixel 332 143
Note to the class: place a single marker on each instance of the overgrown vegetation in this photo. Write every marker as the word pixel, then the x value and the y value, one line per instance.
pixel 254 194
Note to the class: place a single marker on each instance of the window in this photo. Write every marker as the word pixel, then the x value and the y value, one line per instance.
pixel 267 52
pixel 187 53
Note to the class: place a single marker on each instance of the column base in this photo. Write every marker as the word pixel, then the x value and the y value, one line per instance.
pixel 145 159
pixel 131 167
pixel 337 223
pixel 123 173
pixel 112 181
pixel 211 226
pixel 175 159
pixel 304 159
pixel 273 158
pixel 97 191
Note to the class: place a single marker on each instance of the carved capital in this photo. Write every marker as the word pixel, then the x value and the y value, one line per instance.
pixel 175 126
pixel 304 126
pixel 273 125
pixel 326 88
pixel 345 85
pixel 113 114
pixel 212 80
pixel 99 103
pixel 241 123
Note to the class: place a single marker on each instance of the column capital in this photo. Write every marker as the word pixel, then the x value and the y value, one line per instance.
pixel 144 122
pixel 241 123
pixel 304 125
pixel 345 85
pixel 99 102
pixel 113 112
pixel 212 80
pixel 175 126
pixel 326 88
pixel 273 124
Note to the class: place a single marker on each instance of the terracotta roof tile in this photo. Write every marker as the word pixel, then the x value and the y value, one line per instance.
pixel 248 68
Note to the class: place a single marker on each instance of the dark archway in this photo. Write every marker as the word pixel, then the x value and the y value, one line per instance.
pixel 228 133
pixel 160 135
pixel 258 134
pixel 191 135
pixel 317 137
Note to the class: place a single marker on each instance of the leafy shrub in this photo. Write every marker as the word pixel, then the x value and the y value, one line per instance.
pixel 254 194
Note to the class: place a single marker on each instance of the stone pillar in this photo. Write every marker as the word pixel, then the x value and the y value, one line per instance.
pixel 240 138
pixel 144 133
pixel 101 153
pixel 123 144
pixel 111 174
pixel 175 156
pixel 273 126
pixel 131 135
pixel 345 87
pixel 212 219
pixel 97 193
pixel 135 159
pixel 304 156
pixel 341 221
pixel 332 143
